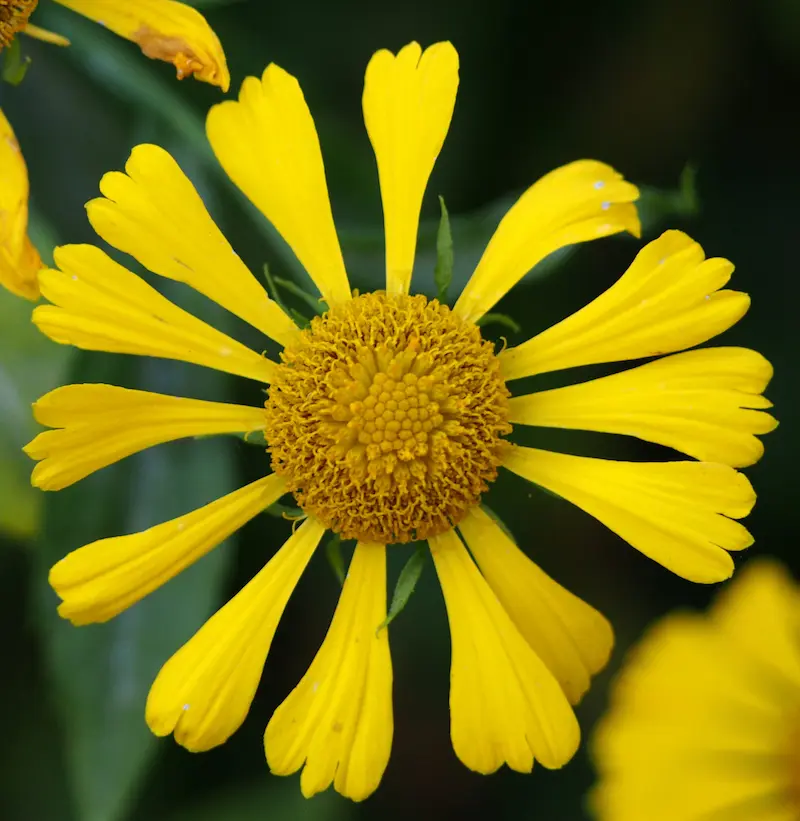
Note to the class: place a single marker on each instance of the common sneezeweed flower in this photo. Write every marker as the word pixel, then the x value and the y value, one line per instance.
pixel 387 419
pixel 164 30
pixel 704 720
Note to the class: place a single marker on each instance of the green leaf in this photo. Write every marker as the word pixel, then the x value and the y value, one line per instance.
pixel 272 289
pixel 500 319
pixel 333 553
pixel 15 65
pixel 406 583
pixel 319 306
pixel 443 272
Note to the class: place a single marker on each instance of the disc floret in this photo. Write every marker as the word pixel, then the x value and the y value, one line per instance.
pixel 387 418
pixel 14 16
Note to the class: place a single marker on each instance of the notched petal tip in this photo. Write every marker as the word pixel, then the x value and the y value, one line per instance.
pixel 408 103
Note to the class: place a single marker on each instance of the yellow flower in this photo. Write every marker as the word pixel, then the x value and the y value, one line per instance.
pixel 19 260
pixel 163 29
pixel 704 720
pixel 387 419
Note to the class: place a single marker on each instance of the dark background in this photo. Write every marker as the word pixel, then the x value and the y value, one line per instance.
pixel 645 86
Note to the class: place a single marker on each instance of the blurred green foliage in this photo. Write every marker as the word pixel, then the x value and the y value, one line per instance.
pixel 656 88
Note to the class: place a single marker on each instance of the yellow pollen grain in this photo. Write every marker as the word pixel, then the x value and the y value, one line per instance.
pixel 14 16
pixel 387 417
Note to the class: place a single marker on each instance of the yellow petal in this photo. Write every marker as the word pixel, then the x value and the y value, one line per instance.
pixel 677 513
pixel 19 261
pixel 698 402
pixel 154 213
pixel 505 705
pixel 203 693
pixel 408 104
pixel 568 635
pixel 692 708
pixel 98 425
pixel 761 614
pixel 338 720
pixel 668 300
pixel 268 145
pixel 100 580
pixel 45 36
pixel 100 306
pixel 164 30
pixel 578 202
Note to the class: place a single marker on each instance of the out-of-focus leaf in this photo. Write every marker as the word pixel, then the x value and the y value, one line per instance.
pixel 15 64
pixel 277 798
pixel 657 206
pixel 30 365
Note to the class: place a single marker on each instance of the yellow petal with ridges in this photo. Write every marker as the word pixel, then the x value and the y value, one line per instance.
pixel 203 693
pixel 506 707
pixel 164 30
pixel 154 213
pixel 19 260
pixel 668 300
pixel 98 425
pixel 573 639
pixel 100 580
pixel 338 720
pixel 100 306
pixel 267 143
pixel 678 513
pixel 408 104
pixel 582 201
pixel 703 403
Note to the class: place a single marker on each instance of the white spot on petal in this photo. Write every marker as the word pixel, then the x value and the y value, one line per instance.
pixel 185 707
pixel 605 206
pixel 599 184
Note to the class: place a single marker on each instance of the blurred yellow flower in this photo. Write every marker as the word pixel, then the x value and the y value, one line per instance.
pixel 388 418
pixel 163 29
pixel 704 720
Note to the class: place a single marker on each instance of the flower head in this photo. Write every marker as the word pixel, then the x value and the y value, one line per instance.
pixel 705 718
pixel 388 418
pixel 14 16
pixel 164 30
